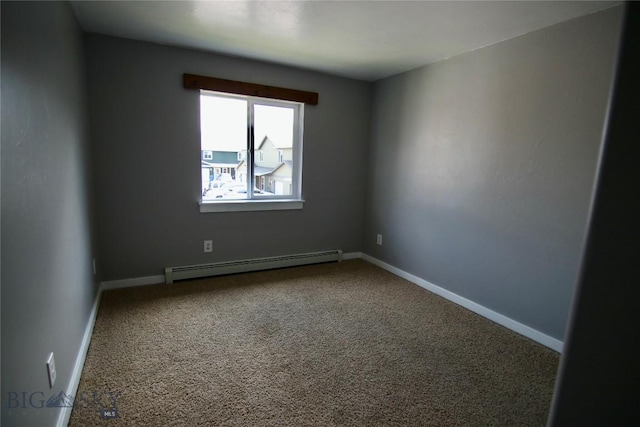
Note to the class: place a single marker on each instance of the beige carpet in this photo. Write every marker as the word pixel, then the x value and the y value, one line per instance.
pixel 333 344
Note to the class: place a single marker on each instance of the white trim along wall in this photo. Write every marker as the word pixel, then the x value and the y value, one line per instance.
pixel 505 321
pixel 500 319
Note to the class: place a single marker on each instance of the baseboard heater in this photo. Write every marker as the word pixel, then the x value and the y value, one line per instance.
pixel 244 266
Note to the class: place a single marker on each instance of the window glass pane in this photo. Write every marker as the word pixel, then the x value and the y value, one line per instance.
pixel 273 150
pixel 225 164
pixel 223 128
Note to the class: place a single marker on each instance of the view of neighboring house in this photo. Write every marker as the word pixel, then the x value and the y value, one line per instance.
pixel 273 167
pixel 218 166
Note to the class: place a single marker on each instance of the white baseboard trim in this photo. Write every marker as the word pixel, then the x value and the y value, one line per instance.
pixel 74 381
pixel 128 283
pixel 351 255
pixel 505 321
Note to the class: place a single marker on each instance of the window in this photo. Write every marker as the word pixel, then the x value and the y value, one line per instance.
pixel 252 142
pixel 207 155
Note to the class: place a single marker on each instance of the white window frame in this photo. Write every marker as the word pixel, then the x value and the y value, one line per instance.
pixel 261 202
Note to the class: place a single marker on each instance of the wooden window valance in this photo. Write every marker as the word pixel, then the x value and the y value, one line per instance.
pixel 192 81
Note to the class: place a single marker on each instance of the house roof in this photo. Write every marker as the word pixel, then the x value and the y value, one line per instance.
pixel 278 145
pixel 261 171
pixel 286 162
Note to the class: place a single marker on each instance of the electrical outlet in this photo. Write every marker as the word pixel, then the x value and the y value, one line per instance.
pixel 51 370
pixel 208 245
pixel 379 239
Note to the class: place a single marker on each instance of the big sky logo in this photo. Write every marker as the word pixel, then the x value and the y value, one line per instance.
pixel 60 400
pixel 100 400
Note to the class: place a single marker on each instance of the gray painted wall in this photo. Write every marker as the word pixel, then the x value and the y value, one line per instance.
pixel 480 174
pixel 146 147
pixel 482 166
pixel 47 283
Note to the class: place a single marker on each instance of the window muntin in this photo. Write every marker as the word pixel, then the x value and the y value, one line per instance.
pixel 256 142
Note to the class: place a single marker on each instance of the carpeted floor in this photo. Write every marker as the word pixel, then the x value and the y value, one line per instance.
pixel 333 344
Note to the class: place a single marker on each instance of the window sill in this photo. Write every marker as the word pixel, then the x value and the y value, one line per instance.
pixel 251 205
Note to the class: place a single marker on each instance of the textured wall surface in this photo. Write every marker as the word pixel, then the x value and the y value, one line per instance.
pixel 482 166
pixel 477 170
pixel 47 284
pixel 146 146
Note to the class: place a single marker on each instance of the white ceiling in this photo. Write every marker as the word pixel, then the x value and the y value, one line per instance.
pixel 366 40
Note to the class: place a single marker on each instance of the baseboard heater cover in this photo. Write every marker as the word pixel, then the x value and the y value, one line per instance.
pixel 244 266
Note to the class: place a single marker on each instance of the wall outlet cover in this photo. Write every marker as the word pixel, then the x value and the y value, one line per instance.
pixel 51 370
